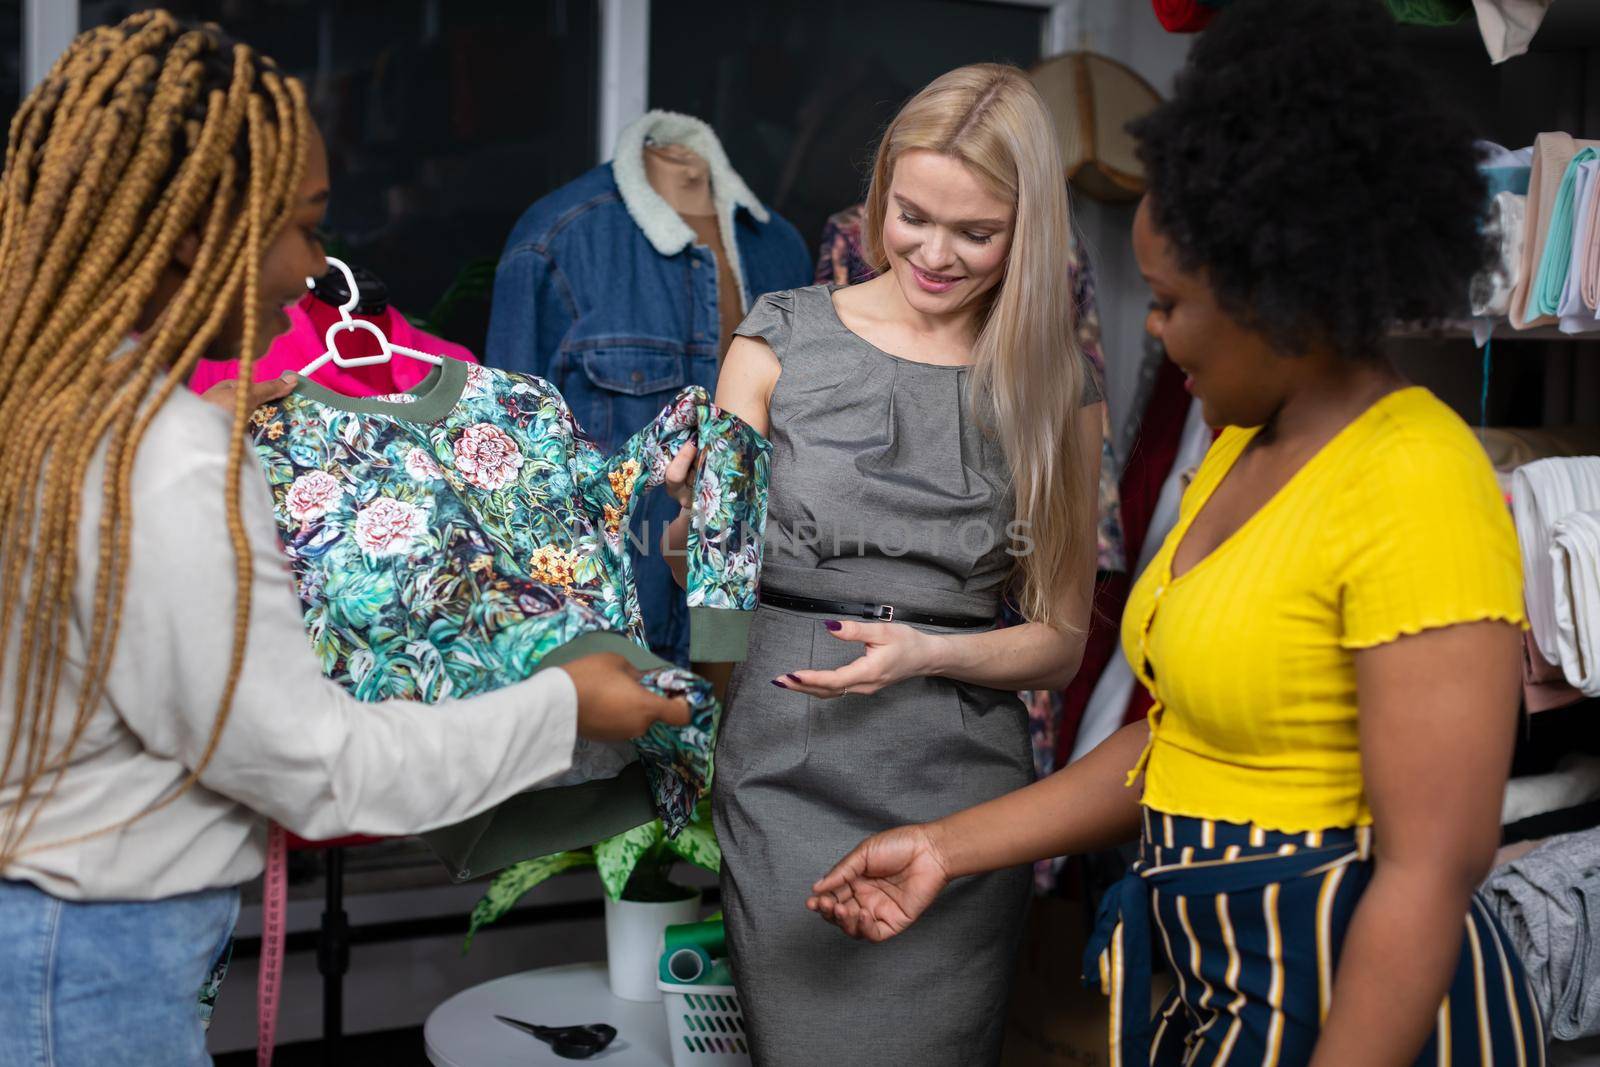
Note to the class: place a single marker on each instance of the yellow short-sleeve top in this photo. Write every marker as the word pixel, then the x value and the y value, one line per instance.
pixel 1394 527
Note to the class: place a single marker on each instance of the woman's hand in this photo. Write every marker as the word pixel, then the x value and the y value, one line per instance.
pixel 222 394
pixel 894 652
pixel 680 477
pixel 612 705
pixel 884 885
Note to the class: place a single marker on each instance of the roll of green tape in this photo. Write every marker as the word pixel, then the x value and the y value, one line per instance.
pixel 689 951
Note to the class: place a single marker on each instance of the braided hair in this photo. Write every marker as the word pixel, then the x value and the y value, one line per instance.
pixel 143 134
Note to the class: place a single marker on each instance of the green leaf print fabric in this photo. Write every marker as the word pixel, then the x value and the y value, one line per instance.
pixel 454 539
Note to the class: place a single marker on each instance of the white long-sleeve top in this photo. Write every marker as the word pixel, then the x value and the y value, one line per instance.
pixel 296 748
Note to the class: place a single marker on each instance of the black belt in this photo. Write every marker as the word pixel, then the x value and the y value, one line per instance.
pixel 880 612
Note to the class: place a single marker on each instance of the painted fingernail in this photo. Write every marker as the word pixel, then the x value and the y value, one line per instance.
pixel 779 684
pixel 833 624
pixel 794 678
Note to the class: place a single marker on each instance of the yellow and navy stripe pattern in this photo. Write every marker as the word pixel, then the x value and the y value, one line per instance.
pixel 1251 922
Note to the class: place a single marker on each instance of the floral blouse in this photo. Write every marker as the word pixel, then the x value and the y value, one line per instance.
pixel 459 537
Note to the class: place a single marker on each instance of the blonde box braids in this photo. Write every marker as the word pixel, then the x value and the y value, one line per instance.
pixel 142 134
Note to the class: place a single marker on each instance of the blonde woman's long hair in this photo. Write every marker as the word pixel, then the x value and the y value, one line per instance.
pixel 1028 372
pixel 142 134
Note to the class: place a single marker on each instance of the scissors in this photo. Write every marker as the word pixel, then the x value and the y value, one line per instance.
pixel 568 1042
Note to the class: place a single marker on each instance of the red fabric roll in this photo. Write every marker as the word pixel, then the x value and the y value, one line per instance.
pixel 1184 16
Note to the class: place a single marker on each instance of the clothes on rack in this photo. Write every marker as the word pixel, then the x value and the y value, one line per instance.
pixel 1575 595
pixel 606 291
pixel 1543 493
pixel 309 319
pixel 1116 700
pixel 457 538
pixel 1576 780
pixel 1549 903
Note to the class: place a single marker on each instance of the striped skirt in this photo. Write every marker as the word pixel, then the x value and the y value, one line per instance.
pixel 1251 922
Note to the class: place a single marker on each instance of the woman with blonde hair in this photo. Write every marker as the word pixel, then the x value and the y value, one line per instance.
pixel 159 697
pixel 935 442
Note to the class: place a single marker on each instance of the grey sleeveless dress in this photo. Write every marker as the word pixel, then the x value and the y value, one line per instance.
pixel 882 491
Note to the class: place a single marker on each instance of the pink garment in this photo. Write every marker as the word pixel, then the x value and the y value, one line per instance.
pixel 309 321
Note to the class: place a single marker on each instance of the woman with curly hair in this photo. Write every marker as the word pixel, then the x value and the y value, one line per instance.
pixel 159 697
pixel 1331 629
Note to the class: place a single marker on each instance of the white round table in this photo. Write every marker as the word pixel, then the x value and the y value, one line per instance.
pixel 463 1031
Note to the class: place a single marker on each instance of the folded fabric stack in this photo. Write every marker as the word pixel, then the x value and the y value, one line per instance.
pixel 1549 902
pixel 1548 244
pixel 1555 504
pixel 1575 781
pixel 1575 569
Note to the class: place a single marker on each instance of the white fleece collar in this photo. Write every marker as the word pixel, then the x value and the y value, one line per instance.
pixel 667 233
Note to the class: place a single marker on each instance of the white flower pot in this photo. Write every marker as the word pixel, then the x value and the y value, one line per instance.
pixel 633 942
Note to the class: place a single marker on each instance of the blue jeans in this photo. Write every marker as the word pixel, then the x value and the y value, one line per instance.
pixel 108 984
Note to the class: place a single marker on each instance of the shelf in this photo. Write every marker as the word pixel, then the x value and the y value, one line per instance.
pixel 1462 331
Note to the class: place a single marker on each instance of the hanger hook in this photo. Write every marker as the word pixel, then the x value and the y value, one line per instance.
pixel 350 285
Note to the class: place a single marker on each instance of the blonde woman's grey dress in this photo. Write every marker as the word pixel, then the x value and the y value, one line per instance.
pixel 882 490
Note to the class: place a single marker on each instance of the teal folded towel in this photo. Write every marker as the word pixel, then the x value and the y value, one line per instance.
pixel 1551 277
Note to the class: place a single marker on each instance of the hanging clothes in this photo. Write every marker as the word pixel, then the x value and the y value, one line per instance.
pixel 456 538
pixel 1153 446
pixel 1116 700
pixel 309 319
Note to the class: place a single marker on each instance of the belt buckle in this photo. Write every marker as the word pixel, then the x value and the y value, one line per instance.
pixel 884 613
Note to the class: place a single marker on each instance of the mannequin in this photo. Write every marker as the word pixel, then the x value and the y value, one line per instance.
pixel 683 179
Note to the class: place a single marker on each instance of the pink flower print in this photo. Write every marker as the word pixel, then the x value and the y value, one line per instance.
pixel 313 495
pixel 387 527
pixel 422 467
pixel 487 457
pixel 479 381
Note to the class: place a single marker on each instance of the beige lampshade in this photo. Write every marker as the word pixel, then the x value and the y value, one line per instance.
pixel 1092 98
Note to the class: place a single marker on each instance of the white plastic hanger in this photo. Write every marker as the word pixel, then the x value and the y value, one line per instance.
pixel 386 348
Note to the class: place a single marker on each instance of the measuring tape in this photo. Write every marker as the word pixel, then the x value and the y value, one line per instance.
pixel 269 980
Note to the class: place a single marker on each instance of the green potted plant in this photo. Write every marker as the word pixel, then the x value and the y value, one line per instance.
pixel 641 899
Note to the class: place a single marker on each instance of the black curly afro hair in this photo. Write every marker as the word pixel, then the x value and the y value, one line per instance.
pixel 1305 167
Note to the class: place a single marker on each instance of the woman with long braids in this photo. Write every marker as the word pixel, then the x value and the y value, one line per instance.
pixel 159 700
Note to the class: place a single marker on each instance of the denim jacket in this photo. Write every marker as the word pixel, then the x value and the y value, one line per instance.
pixel 602 290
